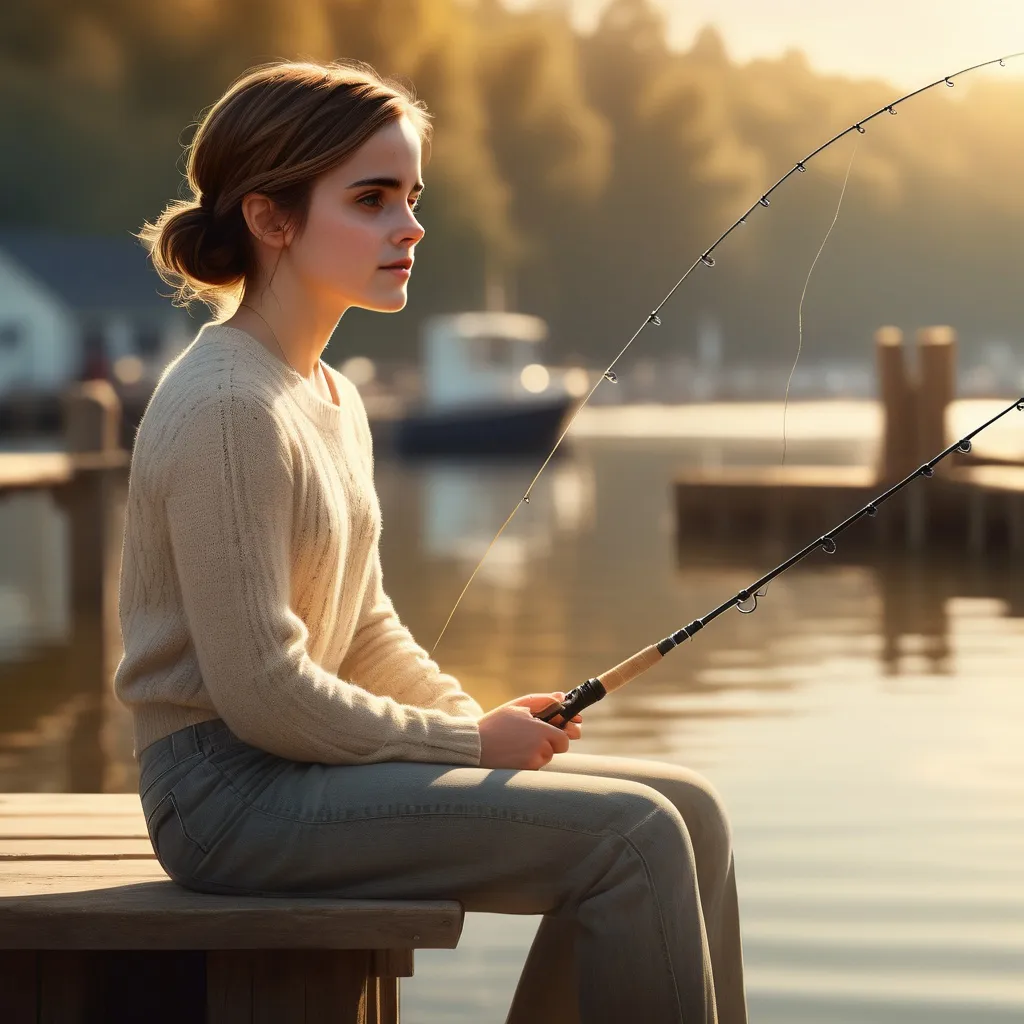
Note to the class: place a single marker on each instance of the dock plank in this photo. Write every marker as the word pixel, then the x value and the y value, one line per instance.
pixel 85 816
pixel 126 911
pixel 35 848
pixel 77 871
pixel 76 804
pixel 94 826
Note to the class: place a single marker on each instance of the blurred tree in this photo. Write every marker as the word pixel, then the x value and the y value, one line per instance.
pixel 676 164
pixel 551 147
pixel 917 241
pixel 586 170
pixel 465 206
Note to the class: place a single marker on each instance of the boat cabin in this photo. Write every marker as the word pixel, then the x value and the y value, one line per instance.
pixel 478 358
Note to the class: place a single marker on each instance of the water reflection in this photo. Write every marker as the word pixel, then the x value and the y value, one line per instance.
pixel 463 504
pixel 863 726
pixel 33 575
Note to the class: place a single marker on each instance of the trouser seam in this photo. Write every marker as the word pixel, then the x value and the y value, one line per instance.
pixel 642 821
pixel 657 903
pixel 654 892
pixel 149 787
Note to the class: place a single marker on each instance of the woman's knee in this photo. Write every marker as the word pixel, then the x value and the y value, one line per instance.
pixel 701 807
pixel 646 816
pixel 683 795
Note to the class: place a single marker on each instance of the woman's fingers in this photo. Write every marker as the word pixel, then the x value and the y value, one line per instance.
pixel 572 730
pixel 537 701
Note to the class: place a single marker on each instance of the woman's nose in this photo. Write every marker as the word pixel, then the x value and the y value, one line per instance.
pixel 411 229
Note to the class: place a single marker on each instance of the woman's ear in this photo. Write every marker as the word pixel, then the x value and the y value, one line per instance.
pixel 265 221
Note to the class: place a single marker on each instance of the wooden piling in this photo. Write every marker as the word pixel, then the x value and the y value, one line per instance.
pixel 898 450
pixel 936 388
pixel 92 425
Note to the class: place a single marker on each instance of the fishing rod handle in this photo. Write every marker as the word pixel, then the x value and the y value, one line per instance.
pixel 560 714
pixel 628 670
pixel 593 690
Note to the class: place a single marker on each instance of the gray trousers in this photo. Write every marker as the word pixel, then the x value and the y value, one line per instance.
pixel 629 861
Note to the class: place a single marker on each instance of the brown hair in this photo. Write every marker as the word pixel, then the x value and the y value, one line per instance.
pixel 276 129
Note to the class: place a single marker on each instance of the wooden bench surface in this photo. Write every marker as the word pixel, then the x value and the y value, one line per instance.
pixel 77 871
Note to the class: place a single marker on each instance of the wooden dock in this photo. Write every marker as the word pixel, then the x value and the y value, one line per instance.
pixel 92 929
pixel 977 508
pixel 969 504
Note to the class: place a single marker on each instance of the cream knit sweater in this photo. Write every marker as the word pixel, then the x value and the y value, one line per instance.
pixel 251 581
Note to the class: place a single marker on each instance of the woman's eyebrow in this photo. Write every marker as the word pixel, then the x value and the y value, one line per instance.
pixel 384 183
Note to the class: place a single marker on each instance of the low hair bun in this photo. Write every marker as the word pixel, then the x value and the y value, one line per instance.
pixel 195 251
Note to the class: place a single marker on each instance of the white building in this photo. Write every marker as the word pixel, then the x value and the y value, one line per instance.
pixel 72 306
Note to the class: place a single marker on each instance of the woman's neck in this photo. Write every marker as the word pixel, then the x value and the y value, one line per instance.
pixel 299 345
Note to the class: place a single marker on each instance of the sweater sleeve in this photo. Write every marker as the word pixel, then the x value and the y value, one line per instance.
pixel 228 500
pixel 383 654
pixel 384 657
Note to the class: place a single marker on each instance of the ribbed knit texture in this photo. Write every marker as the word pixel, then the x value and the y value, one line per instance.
pixel 251 582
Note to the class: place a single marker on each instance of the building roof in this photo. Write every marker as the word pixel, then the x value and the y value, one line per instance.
pixel 91 273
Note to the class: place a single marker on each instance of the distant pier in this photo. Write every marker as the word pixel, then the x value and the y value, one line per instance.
pixel 970 503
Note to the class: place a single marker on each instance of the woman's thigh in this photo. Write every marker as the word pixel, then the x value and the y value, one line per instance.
pixel 691 793
pixel 232 818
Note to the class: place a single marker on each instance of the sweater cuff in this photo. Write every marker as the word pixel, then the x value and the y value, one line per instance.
pixel 462 743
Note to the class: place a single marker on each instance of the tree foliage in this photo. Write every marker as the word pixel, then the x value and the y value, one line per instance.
pixel 587 171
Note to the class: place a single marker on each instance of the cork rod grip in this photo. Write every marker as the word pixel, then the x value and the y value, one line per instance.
pixel 629 669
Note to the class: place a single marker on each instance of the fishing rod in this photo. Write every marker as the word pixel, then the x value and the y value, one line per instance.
pixel 707 260
pixel 588 693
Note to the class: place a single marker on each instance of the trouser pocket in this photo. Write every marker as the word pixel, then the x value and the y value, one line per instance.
pixel 187 809
pixel 177 850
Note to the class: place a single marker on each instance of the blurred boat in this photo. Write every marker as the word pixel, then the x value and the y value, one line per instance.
pixel 485 391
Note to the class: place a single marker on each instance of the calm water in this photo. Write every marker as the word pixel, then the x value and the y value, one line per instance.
pixel 864 727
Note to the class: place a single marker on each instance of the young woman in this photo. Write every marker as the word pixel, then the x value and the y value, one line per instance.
pixel 292 736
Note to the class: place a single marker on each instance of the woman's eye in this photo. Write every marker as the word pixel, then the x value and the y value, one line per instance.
pixel 374 200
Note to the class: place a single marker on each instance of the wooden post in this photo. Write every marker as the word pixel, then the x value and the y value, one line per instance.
pixel 282 986
pixel 936 388
pixel 92 418
pixel 19 999
pixel 898 454
pixel 386 967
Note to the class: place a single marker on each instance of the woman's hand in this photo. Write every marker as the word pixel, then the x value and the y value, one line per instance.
pixel 510 737
pixel 539 701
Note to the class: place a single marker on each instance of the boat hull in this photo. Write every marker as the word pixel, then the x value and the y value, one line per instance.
pixel 519 429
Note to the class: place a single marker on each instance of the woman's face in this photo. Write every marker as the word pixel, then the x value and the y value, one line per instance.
pixel 361 218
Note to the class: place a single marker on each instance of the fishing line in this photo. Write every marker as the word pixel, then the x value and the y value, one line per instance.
pixel 803 295
pixel 800 317
pixel 707 259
